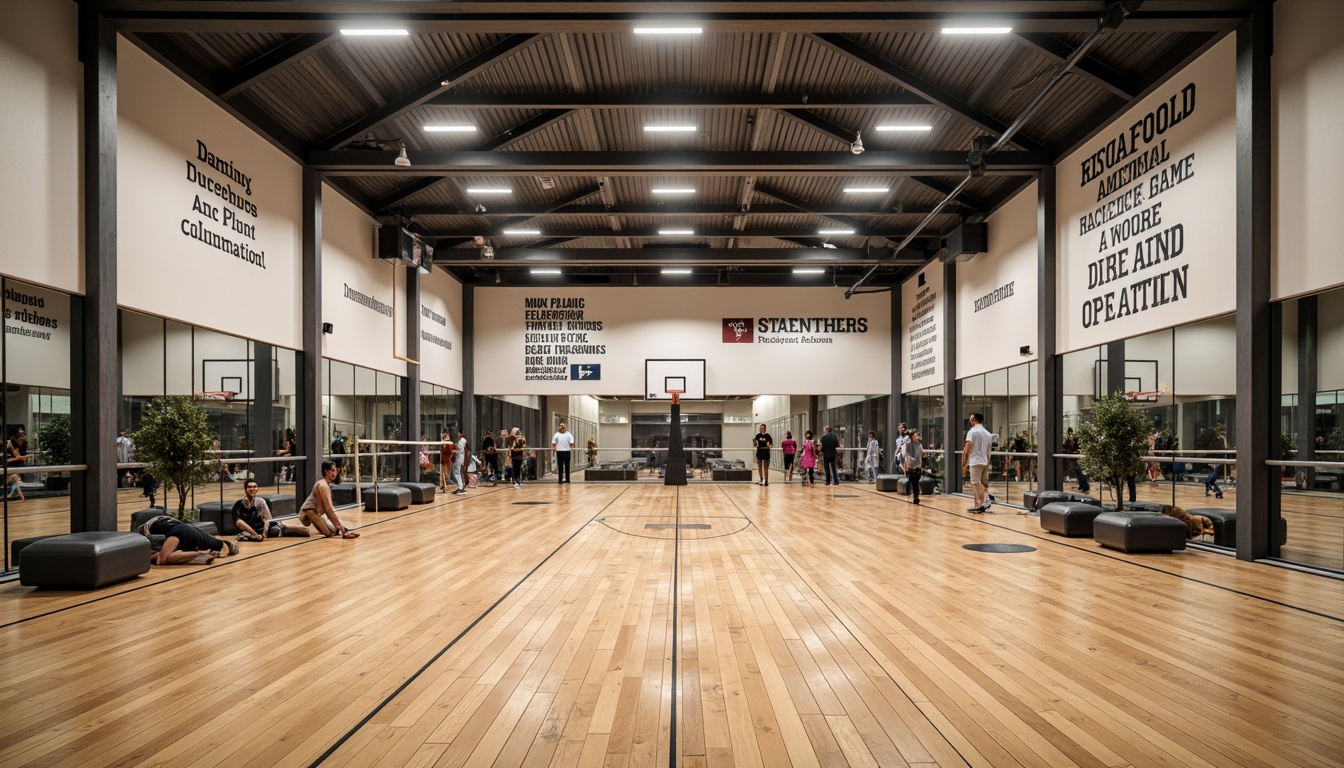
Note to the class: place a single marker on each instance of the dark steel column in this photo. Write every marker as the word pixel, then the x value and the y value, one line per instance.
pixel 410 387
pixel 953 435
pixel 1115 368
pixel 1256 432
pixel 309 411
pixel 1308 360
pixel 1049 382
pixel 469 404
pixel 93 502
pixel 259 437
pixel 896 405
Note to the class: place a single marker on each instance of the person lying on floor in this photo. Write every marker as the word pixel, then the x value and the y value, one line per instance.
pixel 318 511
pixel 1195 525
pixel 183 543
pixel 252 517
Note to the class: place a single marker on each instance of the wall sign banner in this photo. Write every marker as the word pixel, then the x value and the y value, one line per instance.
pixel 595 340
pixel 1147 212
pixel 921 336
pixel 996 292
pixel 37 335
pixel 205 206
pixel 357 294
pixel 441 330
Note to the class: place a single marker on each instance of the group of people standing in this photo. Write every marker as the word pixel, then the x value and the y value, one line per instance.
pixel 807 453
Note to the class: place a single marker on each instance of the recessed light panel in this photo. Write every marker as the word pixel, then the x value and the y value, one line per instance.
pixel 976 30
pixel 808 271
pixel 866 190
pixel 489 191
pixel 450 129
pixel 904 128
pixel 670 129
pixel 673 190
pixel 544 271
pixel 676 231
pixel 522 231
pixel 835 231
pixel 676 271
pixel 668 30
pixel 375 32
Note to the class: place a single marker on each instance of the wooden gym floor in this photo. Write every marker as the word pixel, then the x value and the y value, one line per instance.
pixel 579 625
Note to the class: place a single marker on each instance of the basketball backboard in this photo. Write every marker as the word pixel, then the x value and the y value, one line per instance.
pixel 661 376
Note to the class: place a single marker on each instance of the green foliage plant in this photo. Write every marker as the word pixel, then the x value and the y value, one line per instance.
pixel 54 440
pixel 174 441
pixel 1113 442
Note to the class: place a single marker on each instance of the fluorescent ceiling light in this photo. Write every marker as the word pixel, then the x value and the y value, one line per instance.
pixel 489 191
pixel 676 271
pixel 668 30
pixel 905 128
pixel 676 231
pixel 544 271
pixel 375 32
pixel 866 190
pixel 670 129
pixel 808 271
pixel 450 129
pixel 835 231
pixel 673 190
pixel 976 30
pixel 522 231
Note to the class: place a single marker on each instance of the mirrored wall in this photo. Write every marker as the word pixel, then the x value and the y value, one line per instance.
pixel 1007 399
pixel 364 404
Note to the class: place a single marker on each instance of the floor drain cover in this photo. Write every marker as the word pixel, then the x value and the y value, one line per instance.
pixel 845 496
pixel 529 503
pixel 998 548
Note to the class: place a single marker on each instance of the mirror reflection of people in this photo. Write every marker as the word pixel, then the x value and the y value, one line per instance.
pixel 16 455
pixel 763 442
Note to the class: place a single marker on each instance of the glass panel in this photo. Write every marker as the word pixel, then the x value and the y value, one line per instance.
pixel 1206 409
pixel 36 404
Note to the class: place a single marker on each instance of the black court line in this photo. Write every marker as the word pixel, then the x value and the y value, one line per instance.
pixel 425 667
pixel 846 624
pixel 1100 553
pixel 227 561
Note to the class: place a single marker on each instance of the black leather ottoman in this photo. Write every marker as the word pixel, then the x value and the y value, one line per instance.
pixel 221 514
pixel 1083 498
pixel 891 483
pixel 1224 525
pixel 1143 506
pixel 1038 499
pixel 421 493
pixel 1069 518
pixel 386 498
pixel 18 545
pixel 733 475
pixel 144 516
pixel 281 505
pixel 346 494
pixel 1139 532
pixel 84 560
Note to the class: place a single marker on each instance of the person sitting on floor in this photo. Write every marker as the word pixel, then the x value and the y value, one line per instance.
pixel 184 543
pixel 252 517
pixel 1195 525
pixel 318 511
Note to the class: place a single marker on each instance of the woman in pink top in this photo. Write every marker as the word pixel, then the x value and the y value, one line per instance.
pixel 790 448
pixel 808 463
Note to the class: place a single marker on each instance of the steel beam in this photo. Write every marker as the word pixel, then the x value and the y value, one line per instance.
pixel 642 163
pixel 417 96
pixel 913 82
pixel 279 57
pixel 1089 68
pixel 822 125
pixel 675 101
pixel 967 201
pixel 809 234
pixel 820 208
pixel 654 257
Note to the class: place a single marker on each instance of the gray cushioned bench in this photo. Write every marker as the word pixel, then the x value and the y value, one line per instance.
pixel 732 475
pixel 345 494
pixel 17 546
pixel 386 498
pixel 926 485
pixel 890 483
pixel 421 493
pixel 1038 499
pixel 1069 518
pixel 84 560
pixel 599 473
pixel 1139 532
pixel 1225 526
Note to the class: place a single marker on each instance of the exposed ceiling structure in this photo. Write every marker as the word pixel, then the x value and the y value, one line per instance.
pixel 553 101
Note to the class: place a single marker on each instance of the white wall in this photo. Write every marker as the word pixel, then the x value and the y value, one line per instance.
pixel 1330 341
pixel 767 408
pixel 583 407
pixel 1199 282
pixel 996 292
pixel 41 207
pixel 164 129
pixel 613 430
pixel 685 323
pixel 441 330
pixel 1307 100
pixel 922 314
pixel 361 334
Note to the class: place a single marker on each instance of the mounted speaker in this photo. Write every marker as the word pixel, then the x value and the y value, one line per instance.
pixel 964 242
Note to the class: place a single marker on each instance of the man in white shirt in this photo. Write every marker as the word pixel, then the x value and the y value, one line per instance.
pixel 562 442
pixel 975 463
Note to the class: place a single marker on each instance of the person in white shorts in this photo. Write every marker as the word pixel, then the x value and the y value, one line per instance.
pixel 975 463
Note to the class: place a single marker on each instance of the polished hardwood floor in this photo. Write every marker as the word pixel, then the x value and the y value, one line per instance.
pixel 708 625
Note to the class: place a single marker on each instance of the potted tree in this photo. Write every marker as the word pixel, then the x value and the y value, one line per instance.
pixel 1113 442
pixel 54 442
pixel 174 442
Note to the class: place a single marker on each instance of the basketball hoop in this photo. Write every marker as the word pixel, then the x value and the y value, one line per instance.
pixel 676 395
